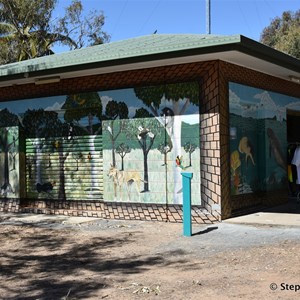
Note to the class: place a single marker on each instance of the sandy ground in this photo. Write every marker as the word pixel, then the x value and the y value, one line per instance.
pixel 146 260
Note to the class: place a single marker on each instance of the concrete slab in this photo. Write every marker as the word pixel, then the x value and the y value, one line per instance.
pixel 267 218
pixel 287 214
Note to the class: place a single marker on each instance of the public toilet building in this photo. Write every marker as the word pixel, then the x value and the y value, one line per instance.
pixel 106 131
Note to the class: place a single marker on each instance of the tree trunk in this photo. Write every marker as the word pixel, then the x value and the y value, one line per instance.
pixel 113 151
pixel 62 190
pixel 94 183
pixel 122 163
pixel 146 180
pixel 6 167
pixel 176 140
pixel 38 152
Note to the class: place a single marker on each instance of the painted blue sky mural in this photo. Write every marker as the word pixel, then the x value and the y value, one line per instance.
pixel 123 95
pixel 260 104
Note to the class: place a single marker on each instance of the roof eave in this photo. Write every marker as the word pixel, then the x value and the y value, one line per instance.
pixel 268 54
pixel 241 44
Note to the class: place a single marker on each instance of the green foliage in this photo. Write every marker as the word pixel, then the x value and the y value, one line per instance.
pixel 43 124
pixel 283 33
pixel 123 149
pixel 153 95
pixel 142 113
pixel 8 119
pixel 164 148
pixel 28 29
pixel 189 147
pixel 80 106
pixel 114 110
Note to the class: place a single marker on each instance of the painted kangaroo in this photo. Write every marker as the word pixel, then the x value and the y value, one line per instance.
pixel 127 177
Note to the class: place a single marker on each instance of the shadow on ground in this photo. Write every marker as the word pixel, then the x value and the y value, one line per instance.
pixel 292 206
pixel 50 265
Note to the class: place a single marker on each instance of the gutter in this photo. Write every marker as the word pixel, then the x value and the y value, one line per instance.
pixel 241 44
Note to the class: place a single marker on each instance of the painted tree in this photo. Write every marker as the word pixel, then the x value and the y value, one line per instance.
pixel 84 112
pixel 29 30
pixel 189 148
pixel 115 111
pixel 168 103
pixel 7 120
pixel 144 129
pixel 77 156
pixel 122 150
pixel 41 126
pixel 164 149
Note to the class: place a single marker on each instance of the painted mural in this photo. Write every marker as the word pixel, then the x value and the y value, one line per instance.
pixel 141 154
pixel 9 162
pixel 117 145
pixel 258 138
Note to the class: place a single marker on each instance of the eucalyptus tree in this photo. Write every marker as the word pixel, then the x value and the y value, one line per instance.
pixel 29 29
pixel 283 33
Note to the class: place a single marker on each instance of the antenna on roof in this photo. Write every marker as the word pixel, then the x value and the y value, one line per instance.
pixel 208 15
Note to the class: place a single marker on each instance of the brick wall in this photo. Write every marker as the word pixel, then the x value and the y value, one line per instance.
pixel 213 77
pixel 207 75
pixel 241 204
pixel 9 205
pixel 115 210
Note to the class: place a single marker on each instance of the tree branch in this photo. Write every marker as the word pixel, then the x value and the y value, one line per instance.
pixel 187 102
pixel 150 145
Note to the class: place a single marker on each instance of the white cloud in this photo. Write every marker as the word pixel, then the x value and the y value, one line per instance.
pixel 55 107
pixel 234 98
pixel 104 101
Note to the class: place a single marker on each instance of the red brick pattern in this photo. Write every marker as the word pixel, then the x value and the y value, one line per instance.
pixel 115 210
pixel 236 205
pixel 210 142
pixel 9 205
pixel 213 77
pixel 211 194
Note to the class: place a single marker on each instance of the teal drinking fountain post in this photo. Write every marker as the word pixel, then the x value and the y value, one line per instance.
pixel 187 217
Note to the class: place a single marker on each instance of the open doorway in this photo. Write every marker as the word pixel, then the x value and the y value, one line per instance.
pixel 293 154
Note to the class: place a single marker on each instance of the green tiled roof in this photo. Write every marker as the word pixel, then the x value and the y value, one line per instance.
pixel 143 49
pixel 154 44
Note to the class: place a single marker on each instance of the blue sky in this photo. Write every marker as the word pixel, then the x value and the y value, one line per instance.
pixel 132 18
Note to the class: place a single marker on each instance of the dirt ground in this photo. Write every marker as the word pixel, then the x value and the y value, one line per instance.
pixel 147 260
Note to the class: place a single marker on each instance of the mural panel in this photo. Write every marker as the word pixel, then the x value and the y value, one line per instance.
pixel 258 138
pixel 118 145
pixel 9 162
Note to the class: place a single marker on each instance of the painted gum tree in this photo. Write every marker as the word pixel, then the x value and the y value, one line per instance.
pixel 144 129
pixel 168 103
pixel 8 120
pixel 115 111
pixel 41 127
pixel 84 111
